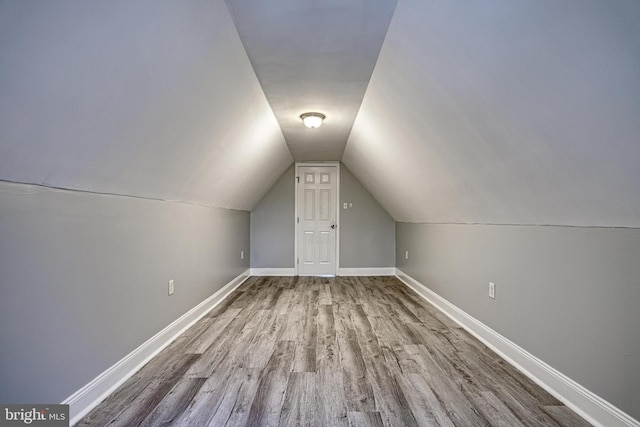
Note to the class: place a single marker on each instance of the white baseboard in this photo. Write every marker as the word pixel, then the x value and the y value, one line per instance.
pixel 371 271
pixel 89 396
pixel 368 271
pixel 273 271
pixel 590 406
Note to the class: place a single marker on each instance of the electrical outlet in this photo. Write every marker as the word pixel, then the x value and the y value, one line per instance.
pixel 171 287
pixel 406 254
pixel 241 254
pixel 350 205
pixel 492 290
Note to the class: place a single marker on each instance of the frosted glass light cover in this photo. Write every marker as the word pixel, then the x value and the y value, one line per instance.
pixel 312 120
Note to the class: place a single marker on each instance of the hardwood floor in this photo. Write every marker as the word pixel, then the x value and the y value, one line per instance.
pixel 346 351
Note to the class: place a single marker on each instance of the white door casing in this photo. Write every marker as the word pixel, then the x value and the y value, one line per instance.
pixel 316 219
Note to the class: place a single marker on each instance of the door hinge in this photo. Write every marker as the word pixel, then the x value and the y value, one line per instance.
pixel 298 220
pixel 297 260
pixel 298 179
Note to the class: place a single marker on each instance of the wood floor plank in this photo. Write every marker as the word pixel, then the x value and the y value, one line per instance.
pixel 222 409
pixel 494 411
pixel 250 300
pixel 397 301
pixel 249 283
pixel 406 334
pixel 293 321
pixel 350 291
pixel 168 365
pixel 391 360
pixel 389 333
pixel 267 403
pixel 453 367
pixel 365 419
pixel 327 357
pixel 225 304
pixel 528 415
pixel 305 355
pixel 215 326
pixel 284 301
pixel 271 298
pixel 328 352
pixel 432 338
pixel 459 409
pixel 299 405
pixel 565 416
pixel 210 396
pixel 205 365
pixel 192 333
pixel 357 388
pixel 342 319
pixel 242 399
pixel 389 398
pixel 116 403
pixel 144 403
pixel 267 333
pixel 324 297
pixel 339 293
pixel 362 289
pixel 331 409
pixel 427 314
pixel 493 375
pixel 424 404
pixel 398 357
pixel 174 403
pixel 367 338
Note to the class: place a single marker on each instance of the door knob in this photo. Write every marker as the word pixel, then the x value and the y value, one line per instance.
pixel 333 226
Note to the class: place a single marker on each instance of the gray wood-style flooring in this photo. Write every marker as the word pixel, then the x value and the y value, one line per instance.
pixel 346 351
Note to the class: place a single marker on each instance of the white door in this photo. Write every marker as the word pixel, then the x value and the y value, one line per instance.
pixel 317 226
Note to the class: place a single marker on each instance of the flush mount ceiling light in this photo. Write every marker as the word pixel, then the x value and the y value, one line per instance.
pixel 312 120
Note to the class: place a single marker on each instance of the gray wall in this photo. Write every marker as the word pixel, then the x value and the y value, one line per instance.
pixel 568 295
pixel 367 232
pixel 84 280
pixel 272 225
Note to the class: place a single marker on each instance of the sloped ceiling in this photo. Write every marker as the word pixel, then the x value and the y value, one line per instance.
pixel 142 98
pixel 505 112
pixel 313 56
pixel 476 112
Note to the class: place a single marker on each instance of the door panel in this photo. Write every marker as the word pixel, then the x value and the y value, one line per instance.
pixel 308 248
pixel 323 248
pixel 309 204
pixel 317 220
pixel 325 205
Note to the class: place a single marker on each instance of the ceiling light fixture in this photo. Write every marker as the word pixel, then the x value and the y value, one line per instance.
pixel 312 120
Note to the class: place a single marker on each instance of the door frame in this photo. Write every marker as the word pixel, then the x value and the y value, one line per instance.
pixel 295 220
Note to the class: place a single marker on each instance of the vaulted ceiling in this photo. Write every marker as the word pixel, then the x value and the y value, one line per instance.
pixel 313 56
pixel 505 112
pixel 464 112
pixel 140 98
